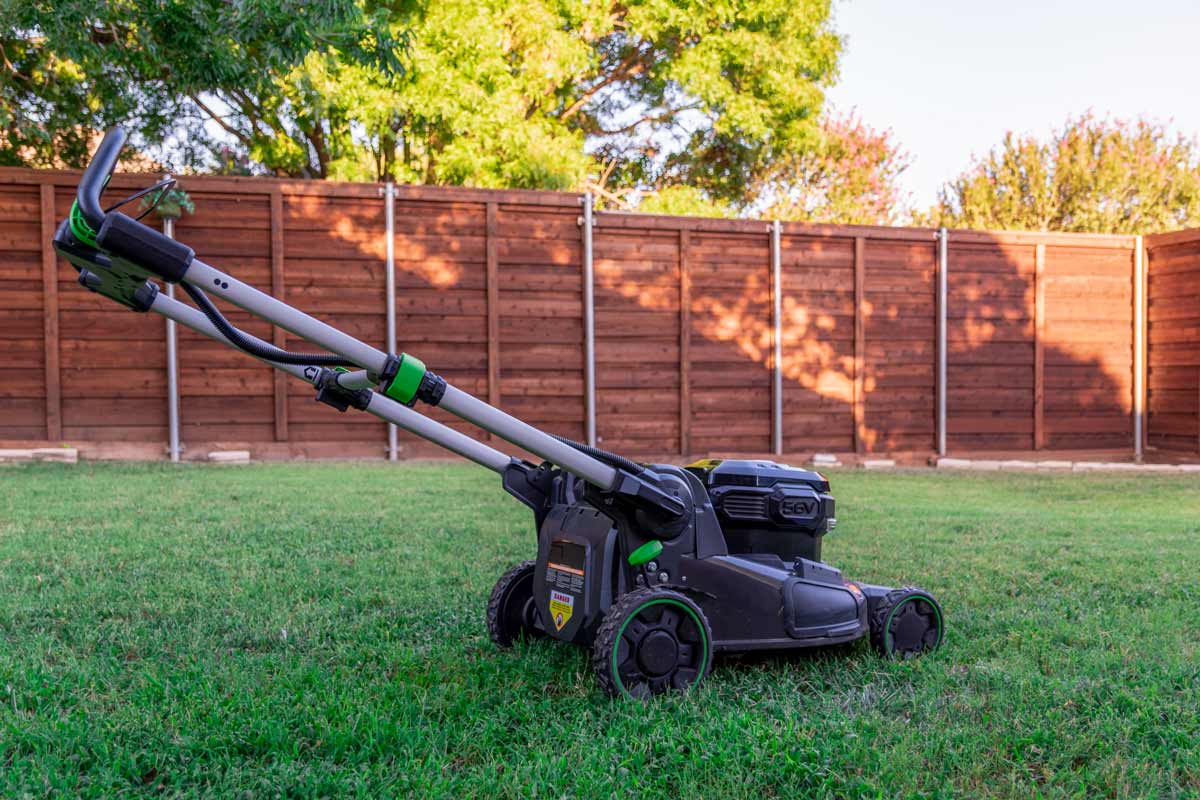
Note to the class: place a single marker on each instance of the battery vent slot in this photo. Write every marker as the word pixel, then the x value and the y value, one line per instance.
pixel 745 505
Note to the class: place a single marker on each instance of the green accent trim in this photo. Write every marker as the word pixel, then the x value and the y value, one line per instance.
pixel 408 379
pixel 887 623
pixel 650 550
pixel 79 226
pixel 620 633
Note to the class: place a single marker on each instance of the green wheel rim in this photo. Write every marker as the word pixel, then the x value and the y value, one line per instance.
pixel 621 632
pixel 887 623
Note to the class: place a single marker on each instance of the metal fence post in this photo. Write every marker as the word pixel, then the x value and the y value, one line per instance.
pixel 943 237
pixel 589 324
pixel 777 340
pixel 173 447
pixel 1139 343
pixel 389 214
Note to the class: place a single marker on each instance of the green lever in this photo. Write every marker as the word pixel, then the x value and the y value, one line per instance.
pixel 647 552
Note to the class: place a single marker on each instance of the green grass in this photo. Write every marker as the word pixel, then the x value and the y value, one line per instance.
pixel 316 630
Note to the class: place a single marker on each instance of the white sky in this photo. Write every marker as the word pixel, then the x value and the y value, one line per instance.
pixel 949 78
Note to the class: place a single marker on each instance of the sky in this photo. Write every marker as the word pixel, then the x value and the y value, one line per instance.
pixel 950 78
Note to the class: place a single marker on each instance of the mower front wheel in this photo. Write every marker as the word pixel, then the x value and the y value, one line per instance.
pixel 652 641
pixel 906 623
pixel 511 611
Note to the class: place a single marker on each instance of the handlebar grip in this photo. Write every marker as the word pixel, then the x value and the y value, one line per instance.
pixel 96 176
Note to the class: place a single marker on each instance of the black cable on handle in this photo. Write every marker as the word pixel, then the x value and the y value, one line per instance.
pixel 259 350
pixel 612 459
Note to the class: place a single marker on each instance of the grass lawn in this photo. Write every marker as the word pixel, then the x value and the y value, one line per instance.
pixel 317 629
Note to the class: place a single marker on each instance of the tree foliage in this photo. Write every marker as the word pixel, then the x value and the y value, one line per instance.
pixel 71 68
pixel 682 199
pixel 850 177
pixel 534 93
pixel 1094 175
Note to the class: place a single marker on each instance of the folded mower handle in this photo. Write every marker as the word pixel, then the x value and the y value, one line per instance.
pixel 95 178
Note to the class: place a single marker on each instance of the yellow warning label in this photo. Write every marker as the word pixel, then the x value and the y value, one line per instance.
pixel 561 606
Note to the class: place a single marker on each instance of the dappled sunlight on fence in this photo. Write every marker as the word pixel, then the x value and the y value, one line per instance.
pixel 489 294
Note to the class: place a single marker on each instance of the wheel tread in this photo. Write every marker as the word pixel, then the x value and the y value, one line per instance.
pixel 496 600
pixel 606 634
pixel 884 608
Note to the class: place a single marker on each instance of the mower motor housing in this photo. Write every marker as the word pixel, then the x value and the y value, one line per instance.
pixel 765 507
pixel 750 558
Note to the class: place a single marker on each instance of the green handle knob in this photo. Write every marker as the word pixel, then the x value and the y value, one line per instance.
pixel 647 552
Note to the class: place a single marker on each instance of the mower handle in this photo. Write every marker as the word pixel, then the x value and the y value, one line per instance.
pixel 96 176
pixel 117 234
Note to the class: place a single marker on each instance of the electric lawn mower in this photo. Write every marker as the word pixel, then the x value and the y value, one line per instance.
pixel 653 566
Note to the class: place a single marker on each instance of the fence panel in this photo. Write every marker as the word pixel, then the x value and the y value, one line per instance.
pixel 639 297
pixel 991 345
pixel 899 319
pixel 223 399
pixel 730 340
pixel 540 281
pixel 818 342
pixel 22 310
pixel 1173 341
pixel 489 294
pixel 1087 347
pixel 112 362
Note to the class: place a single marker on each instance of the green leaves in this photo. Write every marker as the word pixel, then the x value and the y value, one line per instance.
pixel 851 176
pixel 164 68
pixel 521 93
pixel 1094 175
pixel 168 203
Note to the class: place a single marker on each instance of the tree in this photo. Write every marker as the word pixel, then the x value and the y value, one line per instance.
pixel 850 177
pixel 72 68
pixel 685 200
pixel 534 93
pixel 1094 175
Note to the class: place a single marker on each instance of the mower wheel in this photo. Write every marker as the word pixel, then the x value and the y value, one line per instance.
pixel 651 641
pixel 906 623
pixel 511 610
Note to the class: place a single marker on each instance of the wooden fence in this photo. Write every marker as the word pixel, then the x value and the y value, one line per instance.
pixel 1173 341
pixel 1040 331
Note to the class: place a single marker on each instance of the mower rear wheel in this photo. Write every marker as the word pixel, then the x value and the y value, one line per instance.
pixel 906 623
pixel 651 641
pixel 511 611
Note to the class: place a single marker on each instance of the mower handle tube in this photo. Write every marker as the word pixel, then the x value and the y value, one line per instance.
pixel 457 402
pixel 96 176
pixel 359 379
pixel 511 429
pixel 379 406
pixel 213 281
pixel 175 262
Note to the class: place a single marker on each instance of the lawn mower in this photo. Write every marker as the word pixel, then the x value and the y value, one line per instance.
pixel 654 567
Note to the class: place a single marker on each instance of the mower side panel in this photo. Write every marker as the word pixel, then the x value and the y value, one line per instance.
pixel 575 574
pixel 776 608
